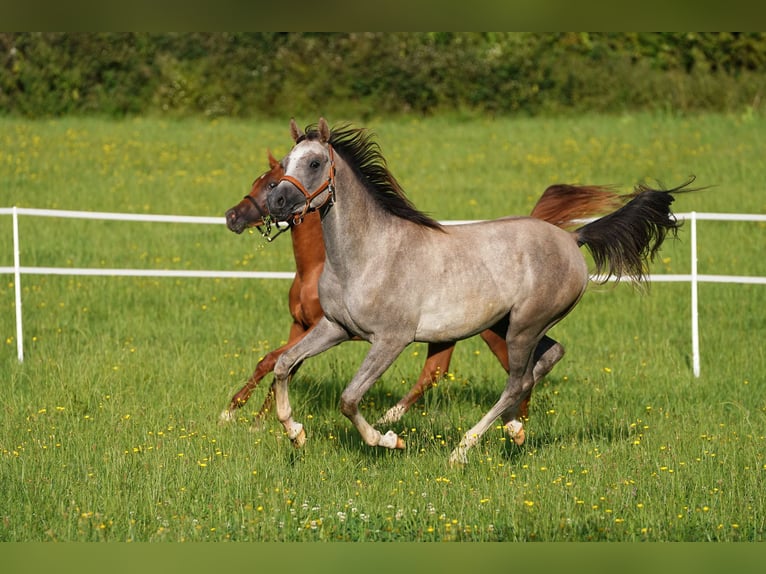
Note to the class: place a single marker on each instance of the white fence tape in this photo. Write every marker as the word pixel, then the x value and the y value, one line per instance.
pixel 17 270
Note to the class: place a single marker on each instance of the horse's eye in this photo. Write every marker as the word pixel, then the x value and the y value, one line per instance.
pixel 314 164
pixel 273 184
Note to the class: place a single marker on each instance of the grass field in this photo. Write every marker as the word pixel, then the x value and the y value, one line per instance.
pixel 109 428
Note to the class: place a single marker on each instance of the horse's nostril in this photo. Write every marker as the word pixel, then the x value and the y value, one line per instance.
pixel 280 201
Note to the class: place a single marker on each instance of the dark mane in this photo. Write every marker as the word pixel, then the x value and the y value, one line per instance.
pixel 359 148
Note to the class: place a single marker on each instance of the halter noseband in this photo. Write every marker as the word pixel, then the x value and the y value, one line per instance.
pixel 267 220
pixel 328 184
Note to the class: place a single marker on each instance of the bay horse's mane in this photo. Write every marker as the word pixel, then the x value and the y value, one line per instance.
pixel 362 152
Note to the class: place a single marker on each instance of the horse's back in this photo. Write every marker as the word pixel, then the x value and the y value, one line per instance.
pixel 488 268
pixel 530 252
pixel 533 244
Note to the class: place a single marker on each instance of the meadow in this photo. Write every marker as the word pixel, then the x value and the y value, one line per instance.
pixel 109 428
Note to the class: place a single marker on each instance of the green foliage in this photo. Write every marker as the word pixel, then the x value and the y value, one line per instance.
pixel 365 74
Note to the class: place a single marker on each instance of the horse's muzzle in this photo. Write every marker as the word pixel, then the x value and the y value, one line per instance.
pixel 284 201
pixel 235 222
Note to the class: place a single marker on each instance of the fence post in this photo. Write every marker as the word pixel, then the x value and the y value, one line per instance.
pixel 17 286
pixel 695 317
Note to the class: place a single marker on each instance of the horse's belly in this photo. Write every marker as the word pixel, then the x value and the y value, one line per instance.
pixel 455 323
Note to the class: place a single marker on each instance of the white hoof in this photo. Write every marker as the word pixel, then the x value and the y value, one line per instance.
pixel 300 440
pixel 296 434
pixel 515 430
pixel 391 440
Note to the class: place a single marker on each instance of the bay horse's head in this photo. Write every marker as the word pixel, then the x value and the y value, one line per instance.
pixel 252 211
pixel 308 183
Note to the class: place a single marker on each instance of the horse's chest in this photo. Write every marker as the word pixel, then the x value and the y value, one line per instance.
pixel 361 309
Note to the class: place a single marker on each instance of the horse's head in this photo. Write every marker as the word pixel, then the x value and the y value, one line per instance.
pixel 308 182
pixel 252 211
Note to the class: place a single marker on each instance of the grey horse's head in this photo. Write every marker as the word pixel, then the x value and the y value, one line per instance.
pixel 308 182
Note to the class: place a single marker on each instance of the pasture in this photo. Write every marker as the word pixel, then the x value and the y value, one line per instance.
pixel 109 428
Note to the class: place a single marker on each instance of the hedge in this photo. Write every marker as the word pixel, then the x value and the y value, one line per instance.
pixel 275 74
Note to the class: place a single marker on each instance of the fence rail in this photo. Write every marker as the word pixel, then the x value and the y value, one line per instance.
pixel 18 270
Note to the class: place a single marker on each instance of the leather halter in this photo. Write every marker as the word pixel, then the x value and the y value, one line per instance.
pixel 266 220
pixel 328 184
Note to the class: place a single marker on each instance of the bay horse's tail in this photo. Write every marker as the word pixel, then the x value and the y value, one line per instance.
pixel 623 242
pixel 563 204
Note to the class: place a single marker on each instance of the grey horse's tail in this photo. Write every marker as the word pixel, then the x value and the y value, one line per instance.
pixel 624 241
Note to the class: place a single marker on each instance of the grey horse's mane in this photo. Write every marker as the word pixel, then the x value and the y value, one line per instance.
pixel 361 151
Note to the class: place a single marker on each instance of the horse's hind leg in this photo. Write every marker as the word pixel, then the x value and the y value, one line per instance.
pixel 547 353
pixel 519 384
pixel 522 338
pixel 435 367
pixel 263 368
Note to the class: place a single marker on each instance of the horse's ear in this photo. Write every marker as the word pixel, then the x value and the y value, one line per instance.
pixel 273 162
pixel 324 130
pixel 295 131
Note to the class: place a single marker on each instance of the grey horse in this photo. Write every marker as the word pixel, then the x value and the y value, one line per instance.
pixel 390 278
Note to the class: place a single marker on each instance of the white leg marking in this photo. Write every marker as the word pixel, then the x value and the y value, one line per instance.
pixel 392 415
pixel 458 456
pixel 227 416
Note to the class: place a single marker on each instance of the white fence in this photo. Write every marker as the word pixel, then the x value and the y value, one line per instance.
pixel 18 270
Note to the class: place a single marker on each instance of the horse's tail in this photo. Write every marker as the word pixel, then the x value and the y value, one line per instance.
pixel 563 204
pixel 623 242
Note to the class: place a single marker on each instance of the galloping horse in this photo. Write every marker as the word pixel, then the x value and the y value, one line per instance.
pixel 519 276
pixel 560 204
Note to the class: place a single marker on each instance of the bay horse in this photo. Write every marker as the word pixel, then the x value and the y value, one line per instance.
pixel 518 276
pixel 560 204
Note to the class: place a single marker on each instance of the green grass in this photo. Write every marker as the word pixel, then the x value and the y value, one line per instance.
pixel 109 428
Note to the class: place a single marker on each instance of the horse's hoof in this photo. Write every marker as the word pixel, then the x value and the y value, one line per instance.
pixel 300 439
pixel 458 459
pixel 391 440
pixel 226 416
pixel 515 430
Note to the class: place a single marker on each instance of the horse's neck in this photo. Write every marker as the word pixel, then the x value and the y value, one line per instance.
pixel 355 225
pixel 308 245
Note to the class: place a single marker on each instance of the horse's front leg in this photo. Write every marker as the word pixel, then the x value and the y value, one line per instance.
pixel 325 335
pixel 381 355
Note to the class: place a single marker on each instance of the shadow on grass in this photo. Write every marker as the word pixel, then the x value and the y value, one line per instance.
pixel 319 398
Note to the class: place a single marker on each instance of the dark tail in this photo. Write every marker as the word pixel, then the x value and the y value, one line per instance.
pixel 623 242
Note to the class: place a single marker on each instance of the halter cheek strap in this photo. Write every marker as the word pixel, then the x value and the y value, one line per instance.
pixel 328 184
pixel 264 216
